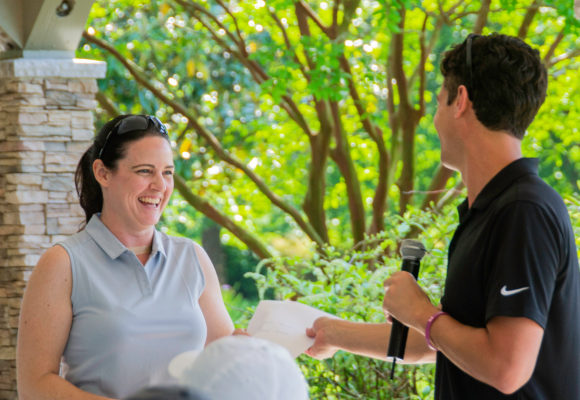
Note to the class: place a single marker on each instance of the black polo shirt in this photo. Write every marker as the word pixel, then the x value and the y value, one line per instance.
pixel 513 254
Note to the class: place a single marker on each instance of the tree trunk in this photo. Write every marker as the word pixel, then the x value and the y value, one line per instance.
pixel 210 240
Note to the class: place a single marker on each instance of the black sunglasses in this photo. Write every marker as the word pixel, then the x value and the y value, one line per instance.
pixel 133 123
pixel 468 62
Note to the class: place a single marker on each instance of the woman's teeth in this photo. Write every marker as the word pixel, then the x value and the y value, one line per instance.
pixel 150 200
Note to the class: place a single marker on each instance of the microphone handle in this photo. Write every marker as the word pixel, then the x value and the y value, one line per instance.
pixel 399 332
pixel 398 341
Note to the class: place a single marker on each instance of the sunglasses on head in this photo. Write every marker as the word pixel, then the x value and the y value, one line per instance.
pixel 134 123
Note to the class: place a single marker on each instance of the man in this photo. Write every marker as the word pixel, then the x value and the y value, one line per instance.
pixel 509 323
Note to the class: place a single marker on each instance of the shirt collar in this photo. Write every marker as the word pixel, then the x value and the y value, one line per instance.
pixel 109 242
pixel 499 183
pixel 158 244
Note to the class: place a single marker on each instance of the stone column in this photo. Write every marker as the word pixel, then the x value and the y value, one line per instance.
pixel 46 114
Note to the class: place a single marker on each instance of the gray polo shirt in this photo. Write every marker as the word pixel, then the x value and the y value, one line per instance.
pixel 130 320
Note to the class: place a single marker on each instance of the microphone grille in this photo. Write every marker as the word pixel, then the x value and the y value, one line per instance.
pixel 412 249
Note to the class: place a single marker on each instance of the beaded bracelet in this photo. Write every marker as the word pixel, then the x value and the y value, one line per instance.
pixel 430 321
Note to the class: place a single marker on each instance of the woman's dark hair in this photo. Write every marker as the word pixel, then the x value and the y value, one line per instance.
pixel 110 145
pixel 505 80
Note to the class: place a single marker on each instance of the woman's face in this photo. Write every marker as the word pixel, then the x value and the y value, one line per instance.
pixel 137 192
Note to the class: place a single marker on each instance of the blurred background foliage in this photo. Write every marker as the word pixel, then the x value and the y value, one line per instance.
pixel 304 140
pixel 349 284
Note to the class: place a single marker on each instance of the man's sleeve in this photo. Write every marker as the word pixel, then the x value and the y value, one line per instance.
pixel 524 261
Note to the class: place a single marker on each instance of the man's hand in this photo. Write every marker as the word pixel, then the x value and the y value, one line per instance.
pixel 322 331
pixel 406 302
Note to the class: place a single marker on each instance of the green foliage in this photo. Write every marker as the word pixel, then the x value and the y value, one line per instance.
pixel 573 203
pixel 239 308
pixel 349 284
pixel 236 67
pixel 240 261
pixel 262 82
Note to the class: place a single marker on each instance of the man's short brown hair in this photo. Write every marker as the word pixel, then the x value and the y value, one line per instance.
pixel 506 83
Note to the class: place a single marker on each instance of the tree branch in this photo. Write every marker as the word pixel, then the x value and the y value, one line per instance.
pixel 406 114
pixel 553 47
pixel 212 141
pixel 429 48
pixel 221 219
pixel 438 183
pixel 375 133
pixel 289 45
pixel 348 12
pixel 334 27
pixel 567 56
pixel 235 20
pixel 394 119
pixel 312 15
pixel 422 61
pixel 204 11
pixel 445 15
pixel 198 202
pixel 397 60
pixel 528 18
pixel 107 104
pixel 368 126
pixel 313 204
pixel 451 195
pixel 342 157
pixel 482 17
pixel 442 12
pixel 257 72
pixel 259 75
pixel 304 28
pixel 380 196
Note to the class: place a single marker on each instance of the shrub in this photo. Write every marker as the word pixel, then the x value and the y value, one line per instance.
pixel 349 284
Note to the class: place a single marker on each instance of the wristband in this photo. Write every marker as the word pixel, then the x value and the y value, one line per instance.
pixel 430 321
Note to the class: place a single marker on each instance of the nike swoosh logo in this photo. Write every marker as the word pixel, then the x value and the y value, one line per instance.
pixel 505 292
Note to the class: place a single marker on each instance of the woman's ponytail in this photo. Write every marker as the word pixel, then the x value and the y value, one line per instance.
pixel 88 189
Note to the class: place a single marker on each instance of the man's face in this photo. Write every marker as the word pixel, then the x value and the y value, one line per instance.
pixel 444 124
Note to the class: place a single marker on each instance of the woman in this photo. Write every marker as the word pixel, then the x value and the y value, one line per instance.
pixel 119 299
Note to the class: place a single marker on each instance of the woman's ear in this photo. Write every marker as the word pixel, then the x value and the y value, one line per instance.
pixel 102 174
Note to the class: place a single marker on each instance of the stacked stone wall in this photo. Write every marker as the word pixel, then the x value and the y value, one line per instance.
pixel 46 125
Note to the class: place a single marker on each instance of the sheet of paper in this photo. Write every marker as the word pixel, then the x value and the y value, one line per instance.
pixel 285 323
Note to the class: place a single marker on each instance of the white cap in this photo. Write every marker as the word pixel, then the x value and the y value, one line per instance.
pixel 245 368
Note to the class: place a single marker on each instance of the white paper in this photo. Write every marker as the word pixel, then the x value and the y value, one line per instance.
pixel 285 323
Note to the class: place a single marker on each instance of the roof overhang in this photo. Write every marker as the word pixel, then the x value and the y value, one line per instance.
pixel 43 28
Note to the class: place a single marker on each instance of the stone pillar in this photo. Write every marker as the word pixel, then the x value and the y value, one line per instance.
pixel 47 123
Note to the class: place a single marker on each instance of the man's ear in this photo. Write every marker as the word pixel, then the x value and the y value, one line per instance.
pixel 102 173
pixel 462 102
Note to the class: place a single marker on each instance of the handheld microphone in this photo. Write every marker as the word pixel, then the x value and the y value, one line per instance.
pixel 412 252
